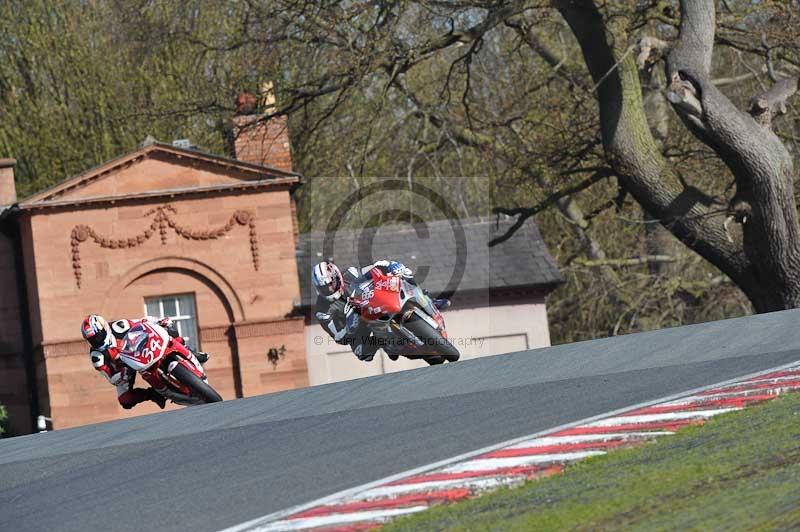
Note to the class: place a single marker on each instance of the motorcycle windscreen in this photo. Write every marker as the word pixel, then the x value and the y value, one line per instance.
pixel 362 293
pixel 134 350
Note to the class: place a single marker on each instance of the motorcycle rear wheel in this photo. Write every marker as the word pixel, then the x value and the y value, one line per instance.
pixel 444 349
pixel 199 387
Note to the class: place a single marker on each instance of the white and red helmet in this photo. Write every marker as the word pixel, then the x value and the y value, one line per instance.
pixel 327 280
pixel 97 332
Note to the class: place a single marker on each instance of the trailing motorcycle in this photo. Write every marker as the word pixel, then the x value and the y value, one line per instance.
pixel 402 318
pixel 166 364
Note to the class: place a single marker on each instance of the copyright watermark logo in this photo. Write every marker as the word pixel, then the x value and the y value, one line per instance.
pixel 396 219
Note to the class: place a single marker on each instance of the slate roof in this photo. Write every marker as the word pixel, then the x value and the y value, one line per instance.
pixel 431 250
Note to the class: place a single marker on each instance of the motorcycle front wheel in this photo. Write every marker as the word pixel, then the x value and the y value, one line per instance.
pixel 199 387
pixel 435 341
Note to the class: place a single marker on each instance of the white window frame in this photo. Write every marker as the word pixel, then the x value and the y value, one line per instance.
pixel 178 318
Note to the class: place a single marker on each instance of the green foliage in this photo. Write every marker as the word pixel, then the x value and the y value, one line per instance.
pixel 738 472
pixel 3 419
pixel 83 82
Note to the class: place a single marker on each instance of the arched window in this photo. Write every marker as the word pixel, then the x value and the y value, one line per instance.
pixel 183 311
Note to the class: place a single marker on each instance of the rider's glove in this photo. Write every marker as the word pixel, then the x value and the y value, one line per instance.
pixel 400 270
pixel 169 326
pixel 322 316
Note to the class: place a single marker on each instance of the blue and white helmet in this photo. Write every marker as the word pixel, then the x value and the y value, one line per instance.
pixel 328 281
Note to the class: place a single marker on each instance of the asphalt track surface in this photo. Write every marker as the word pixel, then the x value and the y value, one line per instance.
pixel 210 467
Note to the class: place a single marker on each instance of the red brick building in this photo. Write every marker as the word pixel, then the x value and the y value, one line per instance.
pixel 163 230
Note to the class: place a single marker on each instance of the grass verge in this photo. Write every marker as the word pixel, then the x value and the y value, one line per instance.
pixel 739 471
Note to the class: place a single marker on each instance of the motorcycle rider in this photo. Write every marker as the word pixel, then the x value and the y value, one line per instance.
pixel 332 308
pixel 105 342
pixel 339 319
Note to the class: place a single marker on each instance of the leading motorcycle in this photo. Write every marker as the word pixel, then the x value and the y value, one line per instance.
pixel 166 364
pixel 402 318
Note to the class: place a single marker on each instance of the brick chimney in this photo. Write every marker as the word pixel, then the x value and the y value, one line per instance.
pixel 257 140
pixel 8 189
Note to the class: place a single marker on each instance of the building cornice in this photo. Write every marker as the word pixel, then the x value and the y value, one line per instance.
pixel 156 150
pixel 286 183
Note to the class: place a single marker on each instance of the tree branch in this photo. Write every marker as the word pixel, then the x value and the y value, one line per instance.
pixel 635 261
pixel 629 144
pixel 651 49
pixel 523 213
pixel 456 37
pixel 695 44
pixel 469 137
pixel 762 166
pixel 529 36
pixel 764 106
pixel 721 82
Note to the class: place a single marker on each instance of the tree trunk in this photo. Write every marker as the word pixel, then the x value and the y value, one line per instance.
pixel 760 163
pixel 765 262
pixel 658 241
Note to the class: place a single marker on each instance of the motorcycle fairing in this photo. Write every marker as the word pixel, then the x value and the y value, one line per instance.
pixel 143 349
pixel 386 302
pixel 143 346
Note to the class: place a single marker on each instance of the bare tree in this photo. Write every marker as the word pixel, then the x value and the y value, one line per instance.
pixel 764 261
pixel 751 235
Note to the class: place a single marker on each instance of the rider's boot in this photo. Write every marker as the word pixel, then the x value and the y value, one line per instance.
pixel 365 352
pixel 201 356
pixel 157 398
pixel 441 304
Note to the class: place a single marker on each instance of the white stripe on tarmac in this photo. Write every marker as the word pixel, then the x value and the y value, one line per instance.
pixel 654 418
pixel 750 382
pixel 587 438
pixel 471 483
pixel 487 464
pixel 758 380
pixel 723 395
pixel 700 399
pixel 336 519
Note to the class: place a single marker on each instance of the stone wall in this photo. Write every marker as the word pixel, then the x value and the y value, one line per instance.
pixel 13 378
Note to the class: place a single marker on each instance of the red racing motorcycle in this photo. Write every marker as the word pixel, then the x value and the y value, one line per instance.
pixel 402 318
pixel 166 364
